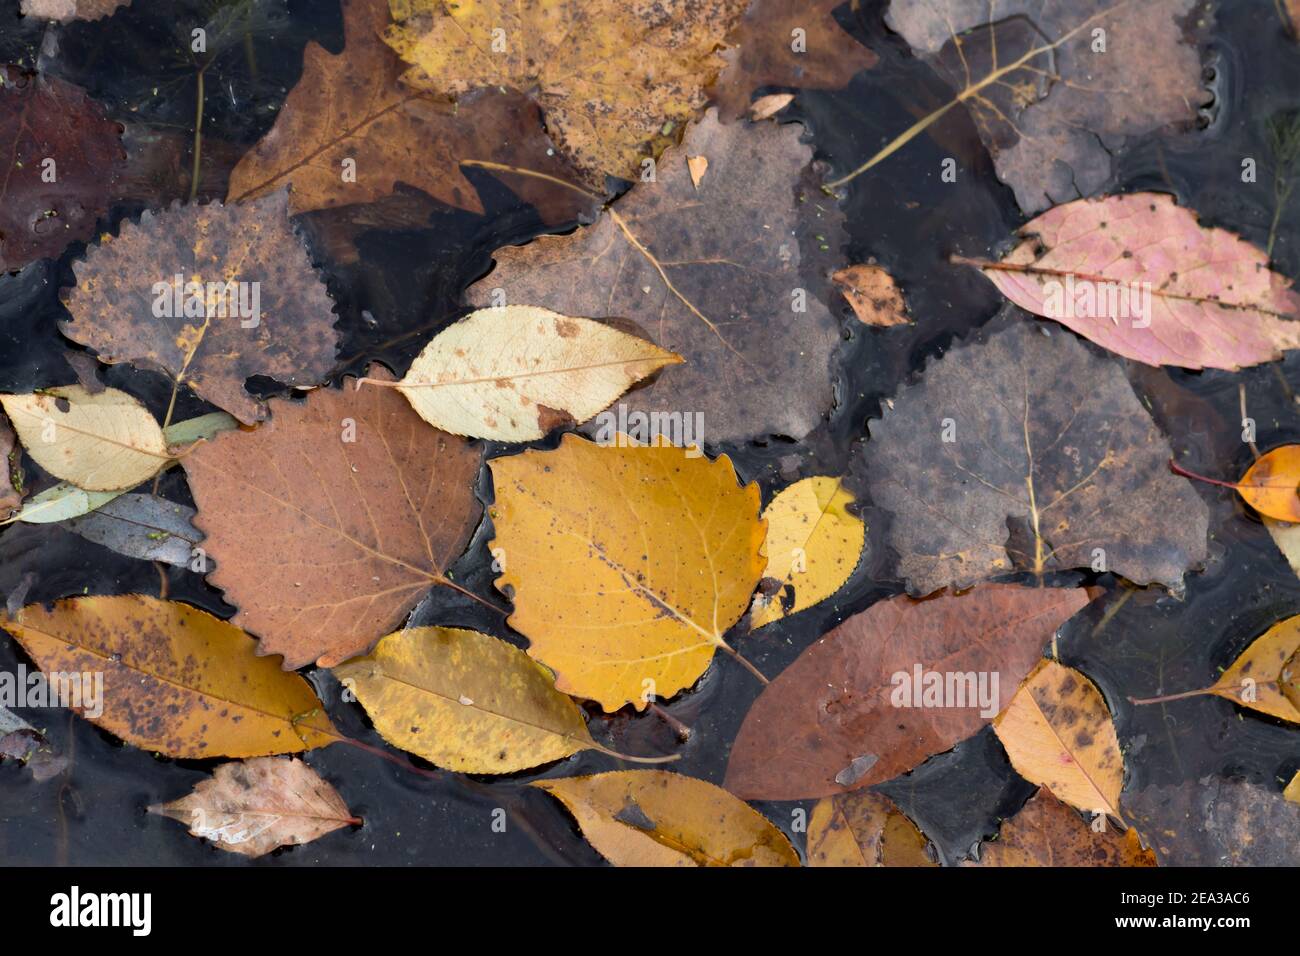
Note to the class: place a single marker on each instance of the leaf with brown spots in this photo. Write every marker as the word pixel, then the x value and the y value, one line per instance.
pixel 655 818
pixel 1059 735
pixel 1046 832
pixel 254 806
pixel 723 274
pixel 987 465
pixel 11 471
pixel 262 309
pixel 864 829
pixel 873 294
pixel 846 715
pixel 175 679
pixel 328 522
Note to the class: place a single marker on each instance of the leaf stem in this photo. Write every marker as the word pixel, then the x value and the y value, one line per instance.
pixel 1168 697
pixel 1178 469
pixel 743 662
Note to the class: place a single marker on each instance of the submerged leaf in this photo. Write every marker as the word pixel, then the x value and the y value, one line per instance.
pixel 142 526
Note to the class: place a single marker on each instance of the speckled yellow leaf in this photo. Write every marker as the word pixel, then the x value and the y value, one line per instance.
pixel 626 565
pixel 611 78
pixel 813 544
pixel 864 829
pixel 1059 734
pixel 516 372
pixel 464 701
pixel 655 818
pixel 102 442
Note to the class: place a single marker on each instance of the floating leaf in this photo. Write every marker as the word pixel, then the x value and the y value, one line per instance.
pixel 1292 791
pixel 626 565
pixel 813 544
pixel 768 106
pixel 175 679
pixel 1059 735
pixel 864 829
pixel 1271 485
pixel 873 294
pixel 253 806
pixel 891 686
pixel 11 484
pixel 329 522
pixel 1046 832
pixel 142 526
pixel 61 502
pixel 655 818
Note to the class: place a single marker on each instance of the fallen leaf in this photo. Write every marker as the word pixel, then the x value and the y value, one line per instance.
pixel 873 294
pixel 1128 272
pixel 626 565
pixel 1059 735
pixel 864 829
pixel 897 682
pixel 987 465
pixel 350 115
pixel 717 275
pixel 276 319
pixel 768 106
pixel 47 120
pixel 514 373
pixel 20 741
pixel 1217 822
pixel 1056 88
pixel 697 166
pixel 1046 832
pixel 766 51
pixel 11 472
pixel 656 818
pixel 813 544
pixel 465 701
pixel 1271 485
pixel 66 10
pixel 142 526
pixel 175 679
pixel 328 522
pixel 609 79
pixel 253 806
pixel 103 442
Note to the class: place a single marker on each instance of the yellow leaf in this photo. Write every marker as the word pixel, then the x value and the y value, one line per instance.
pixel 655 818
pixel 102 442
pixel 1059 734
pixel 813 544
pixel 1292 791
pixel 626 565
pixel 864 829
pixel 514 373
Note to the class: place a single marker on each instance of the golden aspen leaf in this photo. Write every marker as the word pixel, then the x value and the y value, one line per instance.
pixel 1292 791
pixel 175 679
pixel 626 565
pixel 253 806
pixel 864 829
pixel 1046 832
pixel 611 79
pixel 656 818
pixel 813 544
pixel 1271 486
pixel 516 372
pixel 1059 734
pixel 103 442
pixel 465 701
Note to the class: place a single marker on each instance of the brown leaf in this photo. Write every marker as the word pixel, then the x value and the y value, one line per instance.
pixel 253 806
pixel 42 119
pixel 873 294
pixel 850 695
pixel 124 283
pixel 11 473
pixel 328 522
pixel 66 10
pixel 715 274
pixel 1046 832
pixel 864 829
pixel 989 464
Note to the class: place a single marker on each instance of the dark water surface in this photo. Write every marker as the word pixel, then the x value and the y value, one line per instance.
pixel 408 284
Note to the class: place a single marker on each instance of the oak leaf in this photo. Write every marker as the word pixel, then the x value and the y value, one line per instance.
pixel 864 829
pixel 329 521
pixel 1047 832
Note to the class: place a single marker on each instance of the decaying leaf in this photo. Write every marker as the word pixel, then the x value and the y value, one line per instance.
pixel 66 10
pixel 1059 735
pixel 63 157
pixel 1056 87
pixel 812 546
pixel 1217 822
pixel 253 806
pixel 328 522
pixel 864 829
pixel 175 679
pixel 890 687
pixel 142 526
pixel 987 465
pixel 465 701
pixel 210 295
pixel 655 818
pixel 1129 272
pixel 103 442
pixel 626 565
pixel 514 373
pixel 873 294
pixel 610 79
pixel 19 740
pixel 1047 832
pixel 11 484
pixel 716 274
pixel 766 51
pixel 349 132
